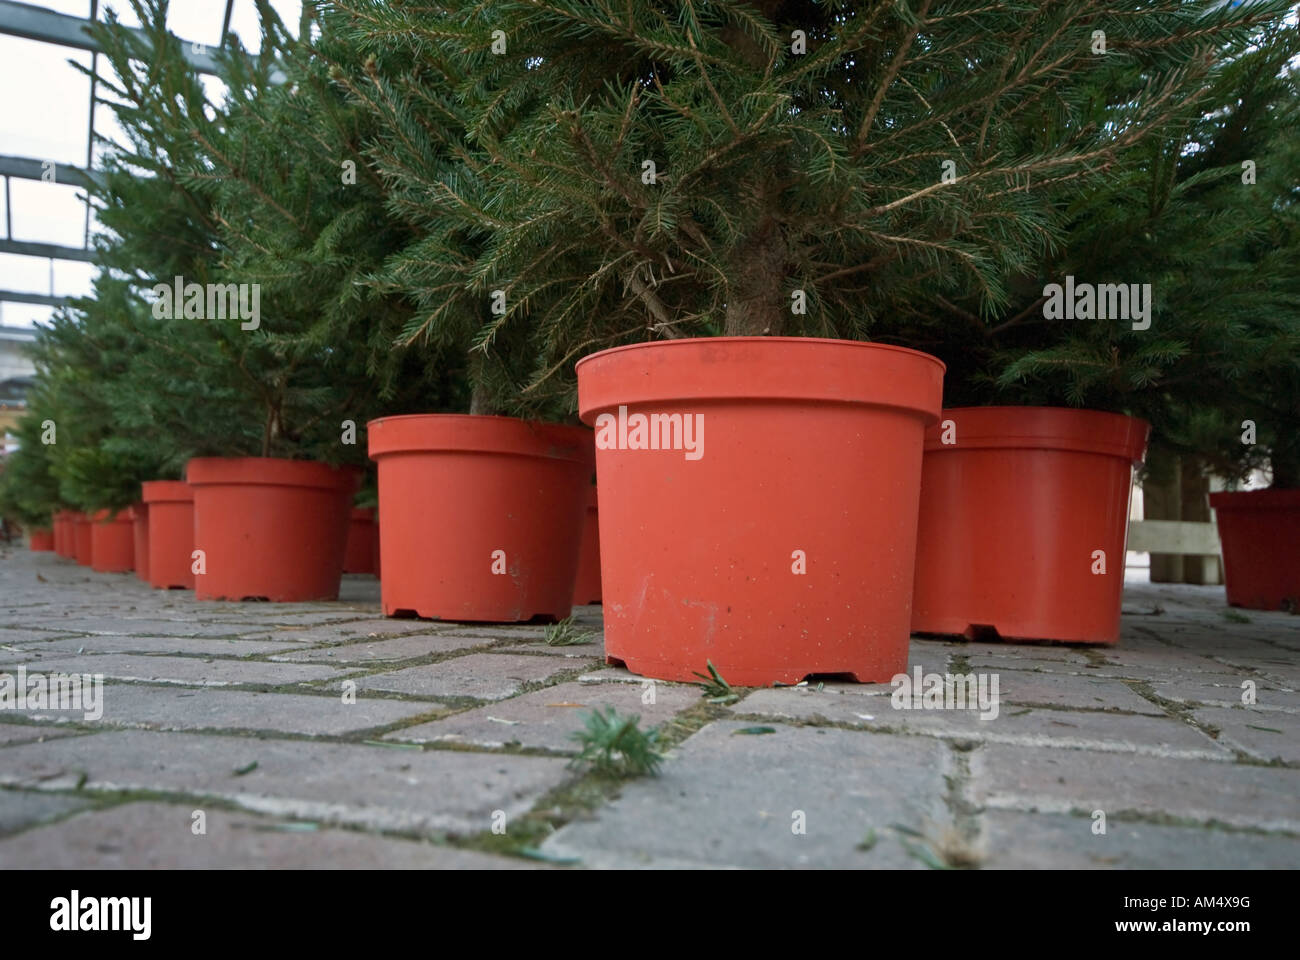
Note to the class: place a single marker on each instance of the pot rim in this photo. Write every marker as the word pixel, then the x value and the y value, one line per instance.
pixel 166 491
pixel 1270 498
pixel 416 433
pixel 700 342
pixel 1041 428
pixel 271 472
pixel 112 516
pixel 814 370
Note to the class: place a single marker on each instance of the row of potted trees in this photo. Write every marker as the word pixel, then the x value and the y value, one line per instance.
pixel 774 504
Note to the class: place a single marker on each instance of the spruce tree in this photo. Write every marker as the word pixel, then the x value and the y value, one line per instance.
pixel 605 174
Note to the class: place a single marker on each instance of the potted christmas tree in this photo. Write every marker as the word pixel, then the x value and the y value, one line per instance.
pixel 717 194
pixel 1202 251
pixel 264 352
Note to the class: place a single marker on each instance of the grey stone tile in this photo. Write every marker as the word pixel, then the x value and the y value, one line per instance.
pixel 425 792
pixel 20 809
pixel 547 719
pixel 1026 841
pixel 382 651
pixel 158 836
pixel 186 708
pixel 708 808
pixel 483 676
pixel 182 670
pixel 1126 733
pixel 1059 781
pixel 1265 735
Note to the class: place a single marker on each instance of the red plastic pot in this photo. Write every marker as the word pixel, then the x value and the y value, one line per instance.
pixel 41 540
pixel 60 525
pixel 170 505
pixel 785 548
pixel 1024 521
pixel 270 529
pixel 586 588
pixel 375 548
pixel 65 540
pixel 84 549
pixel 1260 533
pixel 140 533
pixel 482 515
pixel 112 539
pixel 359 556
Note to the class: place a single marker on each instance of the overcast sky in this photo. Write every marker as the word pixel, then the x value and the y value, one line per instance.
pixel 44 114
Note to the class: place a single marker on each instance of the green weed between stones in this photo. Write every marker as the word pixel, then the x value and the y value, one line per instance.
pixel 567 634
pixel 616 746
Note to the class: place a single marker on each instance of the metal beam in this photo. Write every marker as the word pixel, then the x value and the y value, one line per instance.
pixel 37 23
pixel 11 296
pixel 29 168
pixel 53 251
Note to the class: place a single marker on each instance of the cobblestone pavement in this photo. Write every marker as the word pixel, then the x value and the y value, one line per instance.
pixel 322 735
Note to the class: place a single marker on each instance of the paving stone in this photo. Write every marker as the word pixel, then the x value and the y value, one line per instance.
pixel 547 719
pixel 258 615
pixel 11 733
pixel 595 648
pixel 1165 662
pixel 422 791
pixel 20 809
pixel 495 631
pixel 382 651
pixel 1265 735
pixel 199 646
pixel 158 836
pixel 183 708
pixel 1225 690
pixel 13 635
pixel 1022 687
pixel 351 631
pixel 182 670
pixel 707 807
pixel 1060 781
pixel 484 676
pixel 1029 651
pixel 1025 841
pixel 1067 667
pixel 142 627
pixel 1075 729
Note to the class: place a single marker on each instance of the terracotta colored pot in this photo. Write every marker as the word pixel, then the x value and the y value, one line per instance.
pixel 1260 533
pixel 112 539
pixel 586 588
pixel 359 557
pixel 482 515
pixel 1024 520
pixel 41 540
pixel 170 505
pixel 270 529
pixel 376 543
pixel 140 533
pixel 84 548
pixel 67 546
pixel 60 525
pixel 778 542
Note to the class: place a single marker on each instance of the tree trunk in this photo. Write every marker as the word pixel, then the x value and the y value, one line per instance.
pixel 480 404
pixel 758 304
